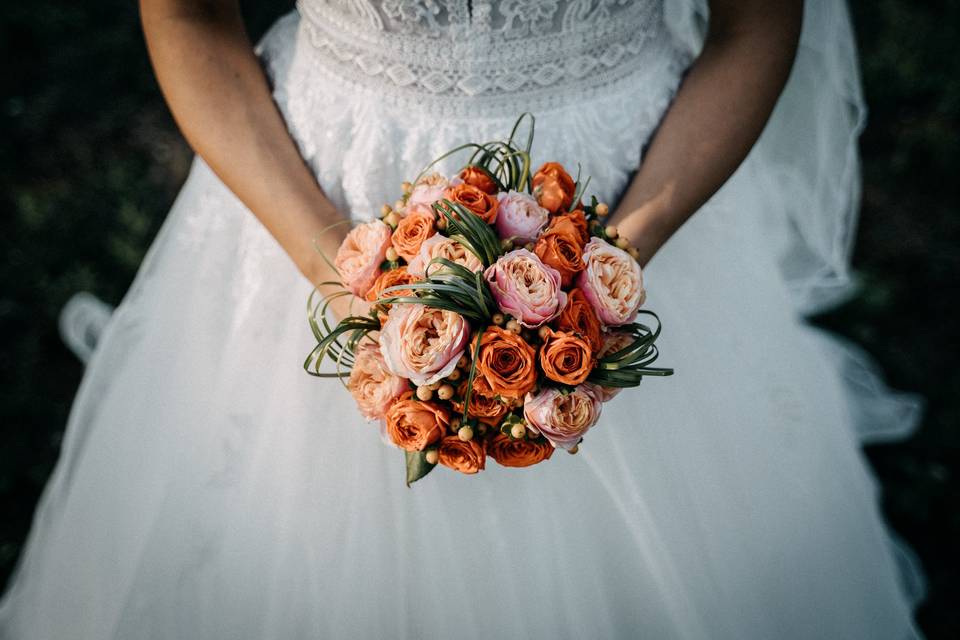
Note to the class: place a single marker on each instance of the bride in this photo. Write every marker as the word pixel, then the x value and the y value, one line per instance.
pixel 208 488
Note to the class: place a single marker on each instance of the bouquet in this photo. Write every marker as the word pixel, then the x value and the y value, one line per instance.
pixel 504 313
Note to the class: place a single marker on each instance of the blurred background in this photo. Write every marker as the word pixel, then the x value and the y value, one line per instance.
pixel 91 161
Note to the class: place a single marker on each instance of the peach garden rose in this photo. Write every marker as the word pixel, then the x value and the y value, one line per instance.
pixel 438 246
pixel 612 282
pixel 421 343
pixel 371 384
pixel 359 256
pixel 520 217
pixel 563 418
pixel 526 288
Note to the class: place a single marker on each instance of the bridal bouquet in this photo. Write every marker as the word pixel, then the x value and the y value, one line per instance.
pixel 503 314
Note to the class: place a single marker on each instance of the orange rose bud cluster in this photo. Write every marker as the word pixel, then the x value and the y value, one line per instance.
pixel 513 318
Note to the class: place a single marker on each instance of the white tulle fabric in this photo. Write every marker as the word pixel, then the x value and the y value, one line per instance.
pixel 208 488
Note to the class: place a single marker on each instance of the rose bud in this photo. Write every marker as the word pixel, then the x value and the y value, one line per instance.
pixel 561 247
pixel 479 178
pixel 553 187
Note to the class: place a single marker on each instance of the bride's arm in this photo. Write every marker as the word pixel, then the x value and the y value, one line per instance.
pixel 220 98
pixel 717 115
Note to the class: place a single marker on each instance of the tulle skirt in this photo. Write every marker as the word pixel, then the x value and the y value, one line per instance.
pixel 209 488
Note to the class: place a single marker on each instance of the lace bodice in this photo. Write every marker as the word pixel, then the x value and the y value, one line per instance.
pixel 463 56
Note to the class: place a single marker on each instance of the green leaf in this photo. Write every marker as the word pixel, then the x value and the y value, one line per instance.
pixel 417 466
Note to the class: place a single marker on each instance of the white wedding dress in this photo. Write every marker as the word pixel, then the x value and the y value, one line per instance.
pixel 209 488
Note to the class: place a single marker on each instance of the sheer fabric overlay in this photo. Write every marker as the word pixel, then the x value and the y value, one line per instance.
pixel 209 488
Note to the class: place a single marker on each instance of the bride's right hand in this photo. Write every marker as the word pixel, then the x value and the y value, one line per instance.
pixel 220 97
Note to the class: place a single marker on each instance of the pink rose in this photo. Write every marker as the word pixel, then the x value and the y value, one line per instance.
pixel 520 217
pixel 438 246
pixel 428 190
pixel 359 256
pixel 422 343
pixel 612 282
pixel 526 288
pixel 563 418
pixel 372 385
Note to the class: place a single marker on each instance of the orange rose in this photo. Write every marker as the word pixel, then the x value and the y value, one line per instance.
pixel 560 247
pixel 518 453
pixel 577 219
pixel 412 230
pixel 465 457
pixel 391 278
pixel 484 404
pixel 553 187
pixel 578 317
pixel 506 363
pixel 565 358
pixel 472 198
pixel 413 425
pixel 479 178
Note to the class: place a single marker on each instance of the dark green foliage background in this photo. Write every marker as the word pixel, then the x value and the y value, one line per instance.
pixel 90 162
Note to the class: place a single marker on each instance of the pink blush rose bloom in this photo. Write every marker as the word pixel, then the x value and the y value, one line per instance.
pixel 360 254
pixel 612 282
pixel 563 418
pixel 520 217
pixel 423 344
pixel 526 288
pixel 371 384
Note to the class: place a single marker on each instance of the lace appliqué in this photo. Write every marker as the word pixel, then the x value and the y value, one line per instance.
pixel 462 58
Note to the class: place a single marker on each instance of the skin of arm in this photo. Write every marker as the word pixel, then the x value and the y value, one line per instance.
pixel 716 117
pixel 220 98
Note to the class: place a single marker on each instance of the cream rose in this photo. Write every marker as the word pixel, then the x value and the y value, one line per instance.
pixel 360 255
pixel 612 282
pixel 421 343
pixel 372 385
